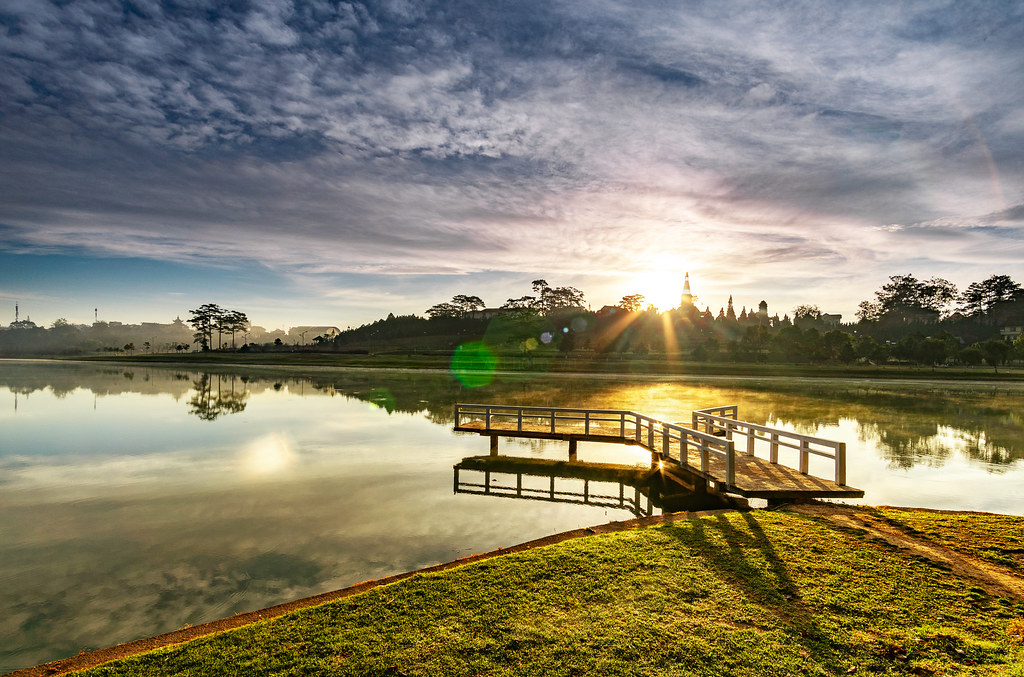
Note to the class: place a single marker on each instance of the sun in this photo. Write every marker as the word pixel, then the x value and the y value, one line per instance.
pixel 661 287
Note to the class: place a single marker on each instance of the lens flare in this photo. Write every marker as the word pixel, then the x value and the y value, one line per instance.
pixel 473 364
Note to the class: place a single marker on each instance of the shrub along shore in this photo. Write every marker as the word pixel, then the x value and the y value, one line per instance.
pixel 808 590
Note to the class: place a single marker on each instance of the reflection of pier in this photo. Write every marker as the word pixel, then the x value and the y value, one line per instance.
pixel 603 485
pixel 702 458
pixel 504 476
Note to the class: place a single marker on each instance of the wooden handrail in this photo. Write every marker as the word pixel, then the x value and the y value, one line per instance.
pixel 776 437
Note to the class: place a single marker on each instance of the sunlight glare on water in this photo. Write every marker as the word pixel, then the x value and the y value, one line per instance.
pixel 267 455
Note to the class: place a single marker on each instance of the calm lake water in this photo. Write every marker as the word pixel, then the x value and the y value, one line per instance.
pixel 136 500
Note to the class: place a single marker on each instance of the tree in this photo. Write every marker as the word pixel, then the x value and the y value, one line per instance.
pixel 806 312
pixel 982 297
pixel 755 342
pixel 234 321
pixel 868 348
pixel 551 299
pixel 971 355
pixel 632 303
pixel 547 301
pixel 204 320
pixel 521 303
pixel 906 299
pixel 443 310
pixel 806 315
pixel 459 306
pixel 837 346
pixel 996 352
pixel 129 347
pixel 468 304
pixel 931 351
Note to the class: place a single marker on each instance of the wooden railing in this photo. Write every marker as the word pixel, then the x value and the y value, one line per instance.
pixel 723 421
pixel 670 441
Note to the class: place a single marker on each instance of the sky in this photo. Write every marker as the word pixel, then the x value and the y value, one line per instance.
pixel 330 162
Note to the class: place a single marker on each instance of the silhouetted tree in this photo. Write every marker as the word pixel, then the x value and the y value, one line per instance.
pixel 204 321
pixel 632 303
pixel 234 321
pixel 906 299
pixel 459 306
pixel 982 297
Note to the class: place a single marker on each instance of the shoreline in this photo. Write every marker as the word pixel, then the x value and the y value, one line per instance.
pixel 91 659
pixel 842 516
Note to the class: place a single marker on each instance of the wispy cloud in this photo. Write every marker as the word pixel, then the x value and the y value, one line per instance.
pixel 458 138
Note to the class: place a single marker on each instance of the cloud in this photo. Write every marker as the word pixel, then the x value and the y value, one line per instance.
pixel 461 138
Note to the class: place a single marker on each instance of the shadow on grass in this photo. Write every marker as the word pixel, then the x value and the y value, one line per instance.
pixel 734 555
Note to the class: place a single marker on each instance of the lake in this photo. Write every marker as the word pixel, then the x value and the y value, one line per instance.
pixel 136 500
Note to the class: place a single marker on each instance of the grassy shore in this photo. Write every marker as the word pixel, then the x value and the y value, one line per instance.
pixel 576 363
pixel 751 593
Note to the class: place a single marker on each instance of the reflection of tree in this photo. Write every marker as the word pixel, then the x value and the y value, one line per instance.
pixel 908 444
pixel 215 395
pixel 913 423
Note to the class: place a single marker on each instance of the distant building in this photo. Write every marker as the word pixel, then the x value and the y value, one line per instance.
pixel 831 320
pixel 1010 333
pixel 486 313
pixel 306 334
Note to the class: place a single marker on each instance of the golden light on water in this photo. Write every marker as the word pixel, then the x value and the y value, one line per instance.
pixel 266 455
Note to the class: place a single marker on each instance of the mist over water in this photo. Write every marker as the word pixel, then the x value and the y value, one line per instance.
pixel 135 500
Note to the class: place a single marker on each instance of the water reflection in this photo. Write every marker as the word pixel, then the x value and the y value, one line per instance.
pixel 134 500
pixel 215 395
pixel 636 489
pixel 552 487
pixel 914 423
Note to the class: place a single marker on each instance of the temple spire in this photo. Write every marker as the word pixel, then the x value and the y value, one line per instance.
pixel 686 299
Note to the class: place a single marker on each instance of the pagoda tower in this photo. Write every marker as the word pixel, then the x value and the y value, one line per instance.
pixel 686 299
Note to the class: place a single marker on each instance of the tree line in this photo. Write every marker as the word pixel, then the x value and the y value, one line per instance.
pixel 909 320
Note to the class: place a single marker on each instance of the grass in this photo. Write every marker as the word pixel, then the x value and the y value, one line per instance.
pixel 756 593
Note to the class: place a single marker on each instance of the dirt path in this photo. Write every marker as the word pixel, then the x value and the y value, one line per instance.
pixel 991 578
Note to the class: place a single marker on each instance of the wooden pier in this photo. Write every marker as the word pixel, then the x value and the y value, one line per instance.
pixel 703 457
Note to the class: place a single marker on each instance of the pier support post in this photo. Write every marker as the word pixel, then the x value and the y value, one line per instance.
pixel 572 450
pixel 494 445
